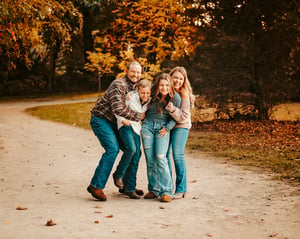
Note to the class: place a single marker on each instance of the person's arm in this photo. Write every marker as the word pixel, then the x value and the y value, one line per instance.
pixel 122 121
pixel 119 106
pixel 171 123
pixel 182 114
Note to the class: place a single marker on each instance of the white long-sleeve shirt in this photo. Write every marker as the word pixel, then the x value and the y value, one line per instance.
pixel 134 104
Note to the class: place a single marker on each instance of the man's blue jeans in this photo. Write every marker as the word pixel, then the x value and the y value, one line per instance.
pixel 107 133
pixel 178 140
pixel 155 149
pixel 128 165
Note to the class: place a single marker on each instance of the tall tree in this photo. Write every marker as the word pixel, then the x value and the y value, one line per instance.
pixel 153 30
pixel 36 29
pixel 250 49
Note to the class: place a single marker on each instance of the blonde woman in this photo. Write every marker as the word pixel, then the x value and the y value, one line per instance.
pixel 179 134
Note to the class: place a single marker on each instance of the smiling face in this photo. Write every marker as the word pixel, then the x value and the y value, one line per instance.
pixel 164 87
pixel 144 93
pixel 178 80
pixel 134 73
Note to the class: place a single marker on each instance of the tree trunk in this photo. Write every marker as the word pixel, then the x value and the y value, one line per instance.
pixel 99 82
pixel 53 58
pixel 262 98
pixel 87 29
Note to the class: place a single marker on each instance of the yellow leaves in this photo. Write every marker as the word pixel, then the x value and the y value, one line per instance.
pixel 33 26
pixel 127 56
pixel 155 28
pixel 100 62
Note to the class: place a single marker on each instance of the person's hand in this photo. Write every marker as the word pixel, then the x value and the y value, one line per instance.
pixel 128 96
pixel 125 122
pixel 143 115
pixel 162 132
pixel 170 107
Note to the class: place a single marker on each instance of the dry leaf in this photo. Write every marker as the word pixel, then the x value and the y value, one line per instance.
pixel 109 216
pixel 50 223
pixel 194 181
pixel 161 207
pixel 97 212
pixel 96 222
pixel 21 208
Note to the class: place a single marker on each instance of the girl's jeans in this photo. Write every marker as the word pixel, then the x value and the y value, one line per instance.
pixel 178 140
pixel 155 149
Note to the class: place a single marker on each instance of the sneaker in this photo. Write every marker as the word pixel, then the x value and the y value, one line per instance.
pixel 166 198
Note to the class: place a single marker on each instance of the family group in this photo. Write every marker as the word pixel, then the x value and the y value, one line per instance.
pixel 135 110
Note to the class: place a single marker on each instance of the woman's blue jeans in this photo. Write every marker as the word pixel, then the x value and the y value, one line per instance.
pixel 107 133
pixel 128 165
pixel 155 149
pixel 178 141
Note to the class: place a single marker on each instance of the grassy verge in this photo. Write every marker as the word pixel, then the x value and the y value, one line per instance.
pixel 47 97
pixel 75 114
pixel 268 146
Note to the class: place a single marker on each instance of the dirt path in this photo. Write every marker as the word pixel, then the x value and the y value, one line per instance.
pixel 46 167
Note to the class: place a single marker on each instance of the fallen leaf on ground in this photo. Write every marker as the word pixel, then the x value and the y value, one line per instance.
pixel 161 207
pixel 21 208
pixel 96 221
pixel 109 216
pixel 194 181
pixel 50 223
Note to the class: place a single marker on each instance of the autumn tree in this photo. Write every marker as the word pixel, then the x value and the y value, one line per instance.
pixel 35 31
pixel 97 14
pixel 155 31
pixel 250 52
pixel 100 63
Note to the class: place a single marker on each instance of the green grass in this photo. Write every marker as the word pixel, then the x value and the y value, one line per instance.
pixel 267 151
pixel 76 114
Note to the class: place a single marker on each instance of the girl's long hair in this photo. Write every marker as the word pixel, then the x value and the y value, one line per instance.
pixel 161 102
pixel 186 83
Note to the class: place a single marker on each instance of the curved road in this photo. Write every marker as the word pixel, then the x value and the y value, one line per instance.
pixel 45 168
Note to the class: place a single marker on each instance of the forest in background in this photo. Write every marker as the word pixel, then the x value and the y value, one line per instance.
pixel 241 56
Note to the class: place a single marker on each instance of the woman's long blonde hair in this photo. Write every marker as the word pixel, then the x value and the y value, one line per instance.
pixel 186 83
pixel 157 98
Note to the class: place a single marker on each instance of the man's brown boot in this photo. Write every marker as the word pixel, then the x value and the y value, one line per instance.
pixel 96 193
